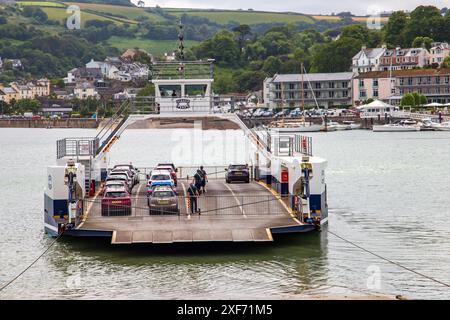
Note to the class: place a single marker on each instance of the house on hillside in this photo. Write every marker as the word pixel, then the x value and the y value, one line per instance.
pixel 438 52
pixel 368 59
pixel 84 90
pixel 108 70
pixel 83 74
pixel 403 59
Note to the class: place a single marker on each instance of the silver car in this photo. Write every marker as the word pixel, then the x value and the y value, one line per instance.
pixel 163 200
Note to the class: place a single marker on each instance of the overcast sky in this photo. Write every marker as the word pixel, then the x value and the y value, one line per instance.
pixel 359 7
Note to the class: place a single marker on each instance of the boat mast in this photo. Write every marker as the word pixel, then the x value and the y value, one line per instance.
pixel 302 92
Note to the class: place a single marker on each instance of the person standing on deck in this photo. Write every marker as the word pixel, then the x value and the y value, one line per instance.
pixel 198 177
pixel 193 195
pixel 205 179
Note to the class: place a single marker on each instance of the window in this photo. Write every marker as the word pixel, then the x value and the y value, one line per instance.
pixel 362 93
pixel 331 94
pixel 375 82
pixel 330 84
pixel 170 91
pixel 318 86
pixel 195 90
pixel 361 82
pixel 291 86
pixel 345 93
pixel 375 93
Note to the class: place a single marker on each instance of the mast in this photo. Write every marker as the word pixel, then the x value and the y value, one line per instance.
pixel 181 69
pixel 303 91
pixel 282 105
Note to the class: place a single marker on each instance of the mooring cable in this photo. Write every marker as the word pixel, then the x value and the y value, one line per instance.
pixel 32 263
pixel 389 260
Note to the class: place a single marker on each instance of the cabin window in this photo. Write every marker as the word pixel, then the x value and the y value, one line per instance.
pixel 170 91
pixel 192 90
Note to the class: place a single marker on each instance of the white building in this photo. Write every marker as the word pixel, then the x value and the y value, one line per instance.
pixel 84 90
pixel 438 52
pixel 325 89
pixel 367 59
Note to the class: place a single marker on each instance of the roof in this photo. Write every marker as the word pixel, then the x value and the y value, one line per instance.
pixel 7 90
pixel 405 73
pixel 370 53
pixel 375 104
pixel 84 85
pixel 87 72
pixel 337 76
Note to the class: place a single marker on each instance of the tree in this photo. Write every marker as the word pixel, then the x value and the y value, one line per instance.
pixel 272 65
pixel 420 42
pixel 148 90
pixel 335 56
pixel 27 105
pixel 424 21
pixel 394 29
pixel 221 47
pixel 249 80
pixel 407 100
pixel 242 31
pixel 446 63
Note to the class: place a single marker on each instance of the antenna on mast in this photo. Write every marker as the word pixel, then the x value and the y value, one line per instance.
pixel 181 69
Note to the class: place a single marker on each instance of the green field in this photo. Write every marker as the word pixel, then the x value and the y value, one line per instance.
pixel 245 17
pixel 41 3
pixel 61 15
pixel 156 47
pixel 130 12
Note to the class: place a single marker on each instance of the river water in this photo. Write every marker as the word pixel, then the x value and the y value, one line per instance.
pixel 387 192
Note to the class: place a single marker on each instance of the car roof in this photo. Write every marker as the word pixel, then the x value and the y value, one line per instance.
pixel 118 182
pixel 115 189
pixel 163 188
pixel 116 177
pixel 154 172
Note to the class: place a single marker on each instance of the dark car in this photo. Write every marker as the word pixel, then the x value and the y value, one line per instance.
pixel 237 172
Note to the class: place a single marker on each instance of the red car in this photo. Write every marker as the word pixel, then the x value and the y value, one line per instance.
pixel 116 202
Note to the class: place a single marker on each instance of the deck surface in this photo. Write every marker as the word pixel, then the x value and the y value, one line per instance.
pixel 232 223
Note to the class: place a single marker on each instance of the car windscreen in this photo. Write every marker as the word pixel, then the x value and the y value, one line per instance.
pixel 116 194
pixel 163 194
pixel 119 175
pixel 238 167
pixel 117 178
pixel 160 177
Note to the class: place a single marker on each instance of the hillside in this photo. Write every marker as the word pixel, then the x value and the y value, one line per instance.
pixel 200 23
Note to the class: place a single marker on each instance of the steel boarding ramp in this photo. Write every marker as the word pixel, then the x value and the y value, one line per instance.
pixel 186 236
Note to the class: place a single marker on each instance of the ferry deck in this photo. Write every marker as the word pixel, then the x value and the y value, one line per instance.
pixel 237 212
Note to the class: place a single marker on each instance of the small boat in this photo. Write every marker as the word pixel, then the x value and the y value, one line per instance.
pixel 331 126
pixel 297 127
pixel 402 126
pixel 351 125
pixel 444 126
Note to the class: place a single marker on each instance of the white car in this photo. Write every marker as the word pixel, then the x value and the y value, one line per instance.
pixel 122 174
